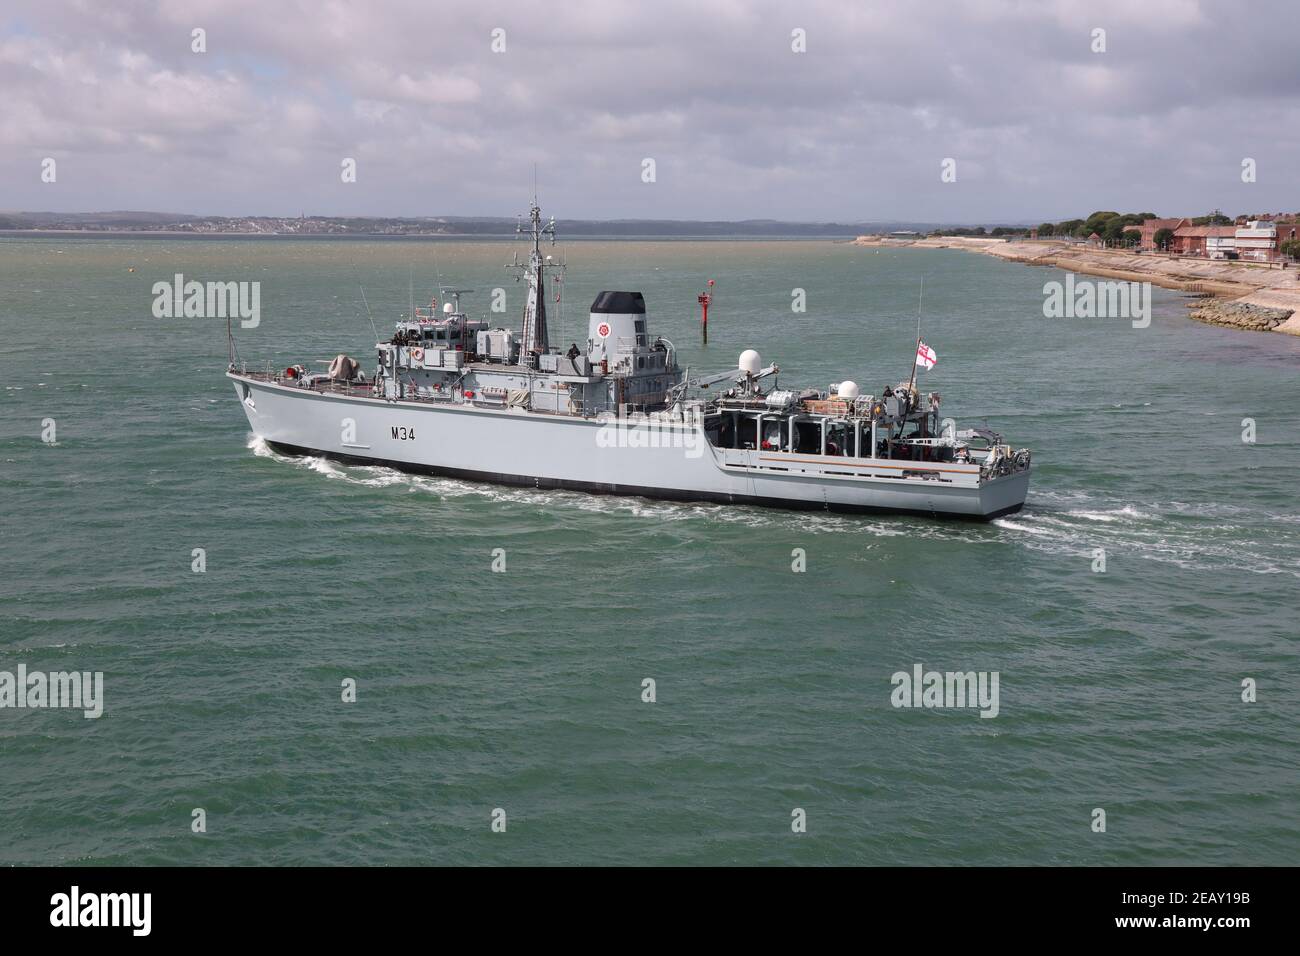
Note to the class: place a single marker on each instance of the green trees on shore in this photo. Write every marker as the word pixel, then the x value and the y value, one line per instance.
pixel 1111 226
pixel 1117 227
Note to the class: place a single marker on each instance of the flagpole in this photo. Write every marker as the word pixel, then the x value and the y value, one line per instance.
pixel 917 349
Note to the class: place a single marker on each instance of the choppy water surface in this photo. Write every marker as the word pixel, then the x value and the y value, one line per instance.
pixel 522 690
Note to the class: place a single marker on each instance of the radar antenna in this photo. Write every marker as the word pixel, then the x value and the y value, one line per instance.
pixel 455 295
pixel 535 339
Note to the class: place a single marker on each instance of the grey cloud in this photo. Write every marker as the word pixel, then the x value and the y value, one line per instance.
pixel 739 126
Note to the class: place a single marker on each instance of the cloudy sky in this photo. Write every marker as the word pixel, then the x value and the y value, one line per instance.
pixel 739 125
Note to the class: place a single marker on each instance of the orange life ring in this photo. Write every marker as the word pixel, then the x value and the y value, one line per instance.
pixel 417 355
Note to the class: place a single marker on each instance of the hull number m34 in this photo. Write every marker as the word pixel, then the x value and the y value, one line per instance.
pixel 402 433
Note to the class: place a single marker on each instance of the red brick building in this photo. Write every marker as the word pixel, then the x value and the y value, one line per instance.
pixel 1150 227
pixel 1286 231
pixel 1195 240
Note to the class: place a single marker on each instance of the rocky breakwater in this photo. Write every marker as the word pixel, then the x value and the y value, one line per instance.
pixel 1238 315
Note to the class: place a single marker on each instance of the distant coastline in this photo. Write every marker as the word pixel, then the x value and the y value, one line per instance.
pixel 425 227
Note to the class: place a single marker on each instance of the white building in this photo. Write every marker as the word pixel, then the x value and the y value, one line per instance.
pixel 1257 240
pixel 1218 246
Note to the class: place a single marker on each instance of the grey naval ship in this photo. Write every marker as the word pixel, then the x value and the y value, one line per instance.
pixel 451 395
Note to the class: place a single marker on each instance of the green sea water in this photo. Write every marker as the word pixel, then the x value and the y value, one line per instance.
pixel 1119 690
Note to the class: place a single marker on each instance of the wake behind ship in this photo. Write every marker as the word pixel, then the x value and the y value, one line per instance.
pixel 452 396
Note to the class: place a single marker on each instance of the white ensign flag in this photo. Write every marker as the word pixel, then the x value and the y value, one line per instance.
pixel 926 357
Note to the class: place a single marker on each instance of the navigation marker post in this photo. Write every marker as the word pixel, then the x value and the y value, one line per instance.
pixel 704 298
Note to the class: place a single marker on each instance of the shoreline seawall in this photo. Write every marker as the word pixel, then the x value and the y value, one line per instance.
pixel 1237 294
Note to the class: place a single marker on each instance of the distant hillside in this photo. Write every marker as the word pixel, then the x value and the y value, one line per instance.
pixel 117 219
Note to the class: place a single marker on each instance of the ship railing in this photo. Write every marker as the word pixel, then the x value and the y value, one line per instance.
pixel 577 406
pixel 360 388
pixel 275 376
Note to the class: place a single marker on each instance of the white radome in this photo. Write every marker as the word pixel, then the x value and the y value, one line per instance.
pixel 751 362
pixel 447 307
pixel 848 390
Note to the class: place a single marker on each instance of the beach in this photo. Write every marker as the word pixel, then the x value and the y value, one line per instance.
pixel 1242 295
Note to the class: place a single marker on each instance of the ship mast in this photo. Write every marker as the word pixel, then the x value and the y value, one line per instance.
pixel 535 339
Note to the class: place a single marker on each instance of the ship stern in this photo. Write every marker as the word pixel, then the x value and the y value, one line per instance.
pixel 1004 495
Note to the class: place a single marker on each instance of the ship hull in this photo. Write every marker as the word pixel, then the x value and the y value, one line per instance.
pixel 653 460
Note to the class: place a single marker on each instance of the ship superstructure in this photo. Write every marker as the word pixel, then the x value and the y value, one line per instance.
pixel 615 414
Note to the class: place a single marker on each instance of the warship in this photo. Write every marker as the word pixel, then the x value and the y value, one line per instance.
pixel 453 396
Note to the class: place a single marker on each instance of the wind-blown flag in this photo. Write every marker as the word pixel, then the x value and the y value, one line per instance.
pixel 926 357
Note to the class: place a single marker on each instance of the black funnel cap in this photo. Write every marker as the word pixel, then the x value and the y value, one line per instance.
pixel 619 303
